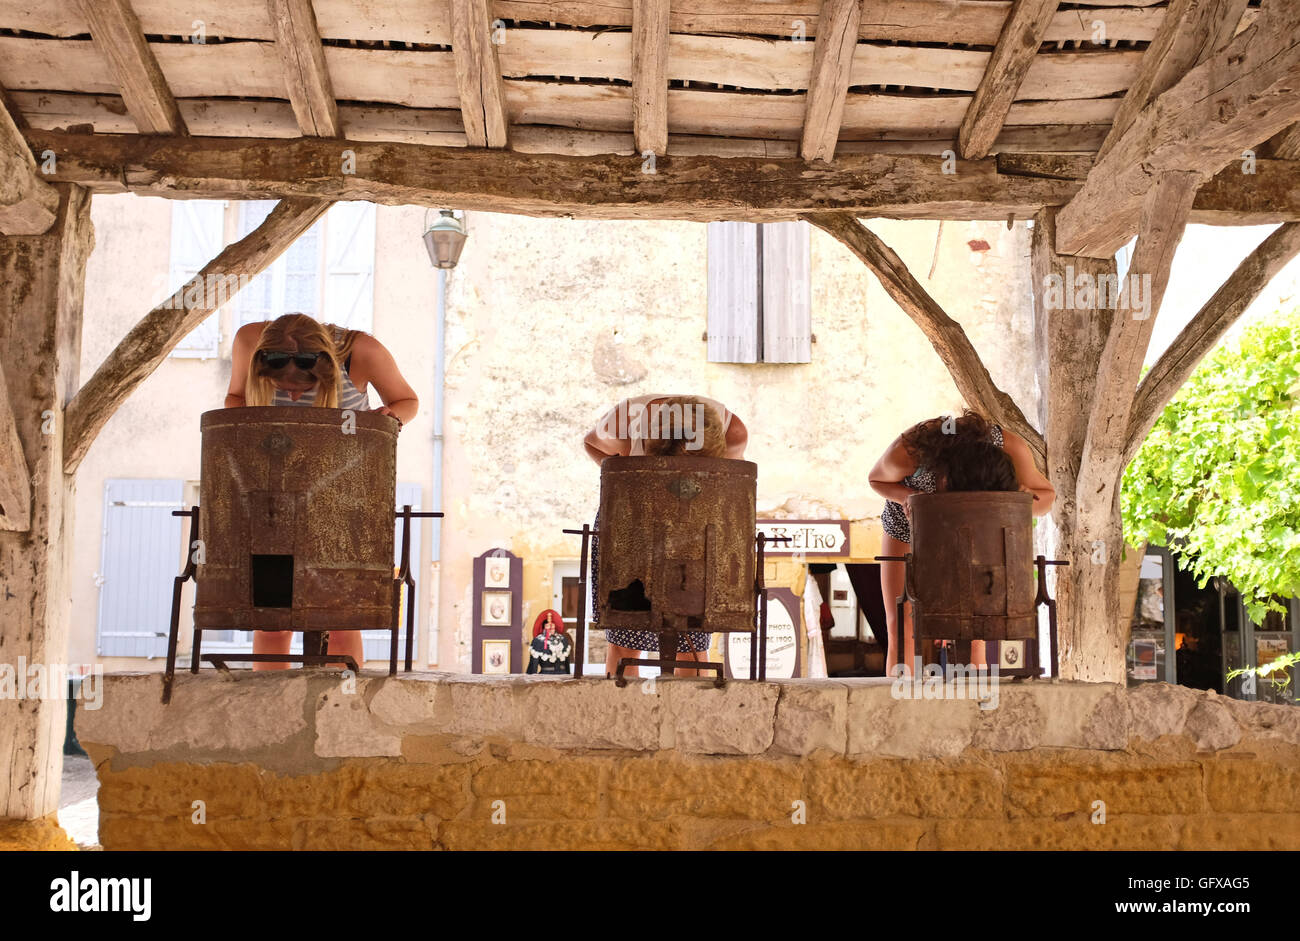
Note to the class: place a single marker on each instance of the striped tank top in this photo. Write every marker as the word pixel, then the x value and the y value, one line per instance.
pixel 349 395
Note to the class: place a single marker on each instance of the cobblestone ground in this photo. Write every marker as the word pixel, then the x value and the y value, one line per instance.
pixel 79 804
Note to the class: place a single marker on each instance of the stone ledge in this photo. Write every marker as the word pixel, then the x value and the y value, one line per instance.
pixel 297 721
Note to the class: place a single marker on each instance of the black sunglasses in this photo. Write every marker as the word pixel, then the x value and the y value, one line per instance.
pixel 278 359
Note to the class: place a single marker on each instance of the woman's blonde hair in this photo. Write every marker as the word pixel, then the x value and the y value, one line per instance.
pixel 307 335
pixel 681 432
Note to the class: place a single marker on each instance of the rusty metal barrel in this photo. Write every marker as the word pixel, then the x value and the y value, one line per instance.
pixel 677 544
pixel 972 571
pixel 297 519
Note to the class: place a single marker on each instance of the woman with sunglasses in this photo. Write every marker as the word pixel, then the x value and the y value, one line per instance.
pixel 296 360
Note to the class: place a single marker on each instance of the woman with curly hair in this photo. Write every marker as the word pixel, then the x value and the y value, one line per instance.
pixel 966 453
pixel 297 361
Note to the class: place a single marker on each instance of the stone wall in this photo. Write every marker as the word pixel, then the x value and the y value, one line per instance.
pixel 306 760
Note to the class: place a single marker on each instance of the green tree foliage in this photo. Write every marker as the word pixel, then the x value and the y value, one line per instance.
pixel 1219 474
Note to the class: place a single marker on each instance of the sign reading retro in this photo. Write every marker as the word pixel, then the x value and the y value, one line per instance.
pixel 807 537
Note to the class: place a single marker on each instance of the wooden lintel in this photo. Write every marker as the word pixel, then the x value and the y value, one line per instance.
pixel 610 186
pixel 15 479
pixel 117 35
pixel 28 204
pixel 302 59
pixel 1022 34
pixel 149 341
pixel 828 86
pixel 478 75
pixel 946 335
pixel 650 76
pixel 1231 101
pixel 1206 329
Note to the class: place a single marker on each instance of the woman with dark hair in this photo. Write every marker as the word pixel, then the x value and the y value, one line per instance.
pixel 966 453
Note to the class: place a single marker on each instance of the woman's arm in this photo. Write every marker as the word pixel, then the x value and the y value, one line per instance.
pixel 241 356
pixel 737 438
pixel 1027 472
pixel 886 478
pixel 371 359
pixel 604 441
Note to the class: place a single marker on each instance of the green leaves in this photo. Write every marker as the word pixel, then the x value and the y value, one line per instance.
pixel 1218 477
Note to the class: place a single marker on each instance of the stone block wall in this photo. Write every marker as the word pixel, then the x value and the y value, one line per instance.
pixel 306 760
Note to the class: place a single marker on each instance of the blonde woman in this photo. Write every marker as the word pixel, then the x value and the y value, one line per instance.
pixel 297 361
pixel 660 426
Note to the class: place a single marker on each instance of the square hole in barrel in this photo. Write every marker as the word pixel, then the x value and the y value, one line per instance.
pixel 272 581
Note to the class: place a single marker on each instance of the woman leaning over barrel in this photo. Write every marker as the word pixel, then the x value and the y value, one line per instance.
pixel 911 464
pixel 297 361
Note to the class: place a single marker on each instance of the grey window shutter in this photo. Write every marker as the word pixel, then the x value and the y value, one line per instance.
pixel 733 292
pixel 787 293
pixel 376 643
pixel 198 233
pixel 142 551
pixel 350 266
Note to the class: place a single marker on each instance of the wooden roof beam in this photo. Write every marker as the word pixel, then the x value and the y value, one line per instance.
pixel 117 35
pixel 28 204
pixel 1023 33
pixel 945 334
pixel 147 344
pixel 478 76
pixel 1192 31
pixel 1286 145
pixel 609 186
pixel 650 76
pixel 828 86
pixel 297 41
pixel 1242 94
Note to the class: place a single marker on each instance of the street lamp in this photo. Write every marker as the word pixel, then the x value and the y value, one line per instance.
pixel 444 239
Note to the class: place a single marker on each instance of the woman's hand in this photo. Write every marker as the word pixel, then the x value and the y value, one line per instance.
pixel 385 410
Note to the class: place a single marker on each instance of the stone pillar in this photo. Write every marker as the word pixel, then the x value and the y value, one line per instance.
pixel 42 281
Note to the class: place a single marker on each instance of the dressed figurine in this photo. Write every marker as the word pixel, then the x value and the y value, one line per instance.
pixel 551 650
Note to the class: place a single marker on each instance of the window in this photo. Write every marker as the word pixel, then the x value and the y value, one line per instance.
pixel 198 234
pixel 759 292
pixel 141 553
pixel 327 273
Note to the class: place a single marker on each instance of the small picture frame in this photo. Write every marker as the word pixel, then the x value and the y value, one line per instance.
pixel 496 656
pixel 1011 655
pixel 496 609
pixel 496 573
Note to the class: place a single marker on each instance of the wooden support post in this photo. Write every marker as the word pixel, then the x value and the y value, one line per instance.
pixel 42 280
pixel 27 203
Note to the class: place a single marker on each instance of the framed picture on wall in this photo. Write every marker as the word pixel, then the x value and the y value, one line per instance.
pixel 496 656
pixel 496 609
pixel 496 573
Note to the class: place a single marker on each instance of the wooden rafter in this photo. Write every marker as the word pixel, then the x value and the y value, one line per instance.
pixel 117 35
pixel 945 334
pixel 28 204
pixel 478 75
pixel 1286 145
pixel 707 188
pixel 302 59
pixel 828 86
pixel 1231 101
pixel 1023 33
pixel 1164 216
pixel 650 76
pixel 1192 31
pixel 149 341
pixel 15 478
pixel 1205 330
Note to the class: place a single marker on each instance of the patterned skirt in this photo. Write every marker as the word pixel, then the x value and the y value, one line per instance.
pixel 694 641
